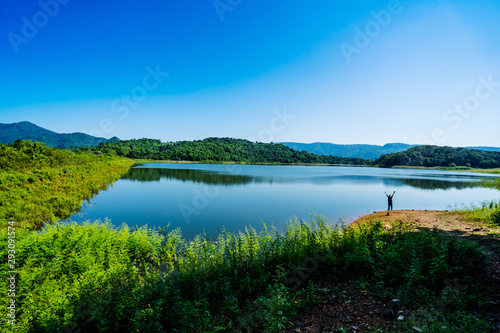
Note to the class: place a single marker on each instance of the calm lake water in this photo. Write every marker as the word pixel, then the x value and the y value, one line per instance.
pixel 206 197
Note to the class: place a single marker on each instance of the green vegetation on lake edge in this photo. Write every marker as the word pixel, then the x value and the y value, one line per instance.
pixel 244 151
pixel 40 184
pixel 488 213
pixel 435 156
pixel 95 277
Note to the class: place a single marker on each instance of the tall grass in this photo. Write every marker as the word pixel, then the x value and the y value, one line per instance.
pixel 94 277
pixel 40 184
pixel 488 212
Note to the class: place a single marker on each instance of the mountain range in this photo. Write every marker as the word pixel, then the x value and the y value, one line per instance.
pixel 354 150
pixel 27 131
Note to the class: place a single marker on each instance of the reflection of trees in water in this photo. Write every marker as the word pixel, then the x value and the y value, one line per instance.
pixel 421 183
pixel 217 178
pixel 432 184
pixel 197 176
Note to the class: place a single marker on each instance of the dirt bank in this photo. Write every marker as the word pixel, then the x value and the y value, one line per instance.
pixel 444 221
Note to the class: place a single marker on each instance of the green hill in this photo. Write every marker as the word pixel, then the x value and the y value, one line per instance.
pixel 435 156
pixel 219 150
pixel 25 130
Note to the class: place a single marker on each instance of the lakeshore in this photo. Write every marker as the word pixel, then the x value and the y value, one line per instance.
pixel 244 280
pixel 360 309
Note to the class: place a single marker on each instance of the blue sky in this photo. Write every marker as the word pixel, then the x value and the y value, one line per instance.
pixel 323 71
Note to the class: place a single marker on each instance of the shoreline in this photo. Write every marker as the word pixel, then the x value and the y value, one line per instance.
pixel 446 221
pixel 494 171
pixel 138 161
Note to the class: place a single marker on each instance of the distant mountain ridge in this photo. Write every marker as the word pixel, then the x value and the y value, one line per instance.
pixel 355 150
pixel 484 148
pixel 27 131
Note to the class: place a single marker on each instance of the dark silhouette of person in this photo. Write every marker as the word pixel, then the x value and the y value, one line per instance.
pixel 389 200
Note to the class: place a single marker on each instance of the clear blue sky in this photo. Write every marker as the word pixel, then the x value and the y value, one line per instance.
pixel 334 71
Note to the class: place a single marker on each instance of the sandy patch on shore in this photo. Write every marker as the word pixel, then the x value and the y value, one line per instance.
pixel 444 221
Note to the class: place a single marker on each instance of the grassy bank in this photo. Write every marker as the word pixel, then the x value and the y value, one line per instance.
pixel 457 168
pixel 40 184
pixel 467 169
pixel 98 278
pixel 488 213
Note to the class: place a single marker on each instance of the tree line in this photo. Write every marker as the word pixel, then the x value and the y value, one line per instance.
pixel 436 156
pixel 26 154
pixel 219 150
pixel 244 151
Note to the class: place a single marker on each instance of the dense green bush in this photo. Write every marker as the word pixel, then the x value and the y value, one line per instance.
pixel 495 217
pixel 95 277
pixel 415 266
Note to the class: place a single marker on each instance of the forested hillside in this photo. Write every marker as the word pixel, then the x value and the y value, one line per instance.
pixel 219 150
pixel 435 156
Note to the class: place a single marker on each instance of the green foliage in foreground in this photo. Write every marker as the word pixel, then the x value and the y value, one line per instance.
pixel 219 150
pixel 95 278
pixel 40 184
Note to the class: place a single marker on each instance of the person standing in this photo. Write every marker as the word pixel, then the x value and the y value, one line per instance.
pixel 389 200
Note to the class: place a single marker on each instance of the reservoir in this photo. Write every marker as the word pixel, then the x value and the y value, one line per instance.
pixel 206 198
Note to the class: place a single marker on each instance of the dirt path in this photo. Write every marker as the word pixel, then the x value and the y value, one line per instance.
pixel 357 311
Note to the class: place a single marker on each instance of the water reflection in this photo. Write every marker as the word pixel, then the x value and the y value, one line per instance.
pixel 204 197
pixel 432 184
pixel 227 179
pixel 187 175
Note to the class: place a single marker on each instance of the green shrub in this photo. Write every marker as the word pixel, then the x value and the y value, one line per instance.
pixel 418 265
pixel 495 217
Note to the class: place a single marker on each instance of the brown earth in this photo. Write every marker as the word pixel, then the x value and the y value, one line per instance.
pixel 348 308
pixel 445 221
